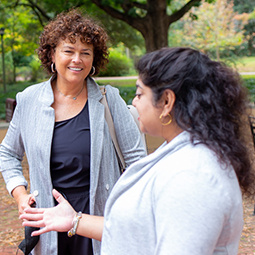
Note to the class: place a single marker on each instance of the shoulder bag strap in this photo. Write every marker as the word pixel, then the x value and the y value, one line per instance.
pixel 108 118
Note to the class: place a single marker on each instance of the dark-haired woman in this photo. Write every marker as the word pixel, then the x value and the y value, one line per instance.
pixel 60 125
pixel 185 198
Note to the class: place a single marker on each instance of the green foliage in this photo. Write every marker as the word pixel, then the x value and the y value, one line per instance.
pixel 127 93
pixel 21 30
pixel 244 64
pixel 8 67
pixel 20 59
pixel 242 6
pixel 120 31
pixel 249 83
pixel 119 65
pixel 249 34
pixel 12 90
pixel 37 73
pixel 20 37
pixel 214 30
pixel 127 88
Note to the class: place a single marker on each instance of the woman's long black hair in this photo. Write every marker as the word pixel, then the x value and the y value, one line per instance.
pixel 210 102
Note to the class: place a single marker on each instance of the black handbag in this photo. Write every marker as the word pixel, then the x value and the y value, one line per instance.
pixel 28 244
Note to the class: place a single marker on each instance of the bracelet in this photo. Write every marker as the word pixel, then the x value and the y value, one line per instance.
pixel 76 220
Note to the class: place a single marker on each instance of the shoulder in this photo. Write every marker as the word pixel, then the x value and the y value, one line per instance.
pixel 114 99
pixel 193 171
pixel 195 157
pixel 111 91
pixel 192 160
pixel 33 90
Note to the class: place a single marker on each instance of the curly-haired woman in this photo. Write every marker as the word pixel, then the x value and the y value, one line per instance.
pixel 60 125
pixel 185 198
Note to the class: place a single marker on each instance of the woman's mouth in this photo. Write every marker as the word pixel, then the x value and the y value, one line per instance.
pixel 75 68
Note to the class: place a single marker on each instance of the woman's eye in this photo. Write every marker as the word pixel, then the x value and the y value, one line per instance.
pixel 138 95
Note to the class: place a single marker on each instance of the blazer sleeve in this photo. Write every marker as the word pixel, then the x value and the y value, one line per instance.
pixel 127 132
pixel 12 152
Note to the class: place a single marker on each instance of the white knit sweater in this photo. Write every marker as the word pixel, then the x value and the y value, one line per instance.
pixel 179 201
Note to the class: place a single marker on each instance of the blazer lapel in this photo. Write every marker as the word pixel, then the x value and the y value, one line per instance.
pixel 97 120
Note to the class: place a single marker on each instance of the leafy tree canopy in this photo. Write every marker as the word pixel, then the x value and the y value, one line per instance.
pixel 152 18
pixel 242 6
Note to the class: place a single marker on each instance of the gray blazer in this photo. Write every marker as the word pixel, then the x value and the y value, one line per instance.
pixel 31 131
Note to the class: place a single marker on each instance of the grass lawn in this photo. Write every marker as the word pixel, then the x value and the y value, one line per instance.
pixel 246 64
pixel 117 82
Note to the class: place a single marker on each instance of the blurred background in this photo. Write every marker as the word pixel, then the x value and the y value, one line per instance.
pixel 223 29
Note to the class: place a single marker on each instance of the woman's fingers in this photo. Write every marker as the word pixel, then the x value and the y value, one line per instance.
pixel 58 218
pixel 42 230
pixel 24 202
pixel 28 215
pixel 32 210
pixel 58 196
pixel 39 232
pixel 36 224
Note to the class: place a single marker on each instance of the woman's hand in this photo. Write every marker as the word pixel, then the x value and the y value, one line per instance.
pixel 23 199
pixel 58 218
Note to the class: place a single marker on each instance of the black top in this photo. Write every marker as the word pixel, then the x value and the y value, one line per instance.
pixel 70 152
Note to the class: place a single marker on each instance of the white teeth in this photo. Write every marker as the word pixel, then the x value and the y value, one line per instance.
pixel 75 69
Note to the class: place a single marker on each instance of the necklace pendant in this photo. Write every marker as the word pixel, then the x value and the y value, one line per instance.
pixel 74 98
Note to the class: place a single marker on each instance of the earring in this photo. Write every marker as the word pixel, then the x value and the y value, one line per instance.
pixel 93 71
pixel 169 122
pixel 53 69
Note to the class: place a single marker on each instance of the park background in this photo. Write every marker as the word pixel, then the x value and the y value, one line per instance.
pixel 223 29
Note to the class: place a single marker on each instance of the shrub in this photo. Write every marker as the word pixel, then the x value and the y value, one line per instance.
pixel 127 93
pixel 119 65
pixel 249 83
pixel 12 90
pixel 37 72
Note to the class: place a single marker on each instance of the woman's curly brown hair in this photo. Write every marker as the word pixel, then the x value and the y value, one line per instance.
pixel 72 25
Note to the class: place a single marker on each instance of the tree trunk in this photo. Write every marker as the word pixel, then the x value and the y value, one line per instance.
pixel 152 21
pixel 155 32
pixel 155 25
pixel 14 66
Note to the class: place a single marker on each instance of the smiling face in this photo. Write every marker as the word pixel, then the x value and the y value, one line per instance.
pixel 73 62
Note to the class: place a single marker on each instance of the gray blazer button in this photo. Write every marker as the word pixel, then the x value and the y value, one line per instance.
pixel 36 193
pixel 107 186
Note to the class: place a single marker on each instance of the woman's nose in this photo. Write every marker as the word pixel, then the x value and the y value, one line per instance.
pixel 133 101
pixel 77 58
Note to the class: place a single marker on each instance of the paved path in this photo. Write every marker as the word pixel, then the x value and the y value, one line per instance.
pixel 3 131
pixel 247 73
pixel 4 125
pixel 11 231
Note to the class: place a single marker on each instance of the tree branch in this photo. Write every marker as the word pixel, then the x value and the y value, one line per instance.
pixel 39 12
pixel 124 16
pixel 180 13
pixel 139 5
pixel 38 15
pixel 39 9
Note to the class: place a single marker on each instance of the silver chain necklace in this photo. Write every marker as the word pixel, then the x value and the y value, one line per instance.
pixel 68 96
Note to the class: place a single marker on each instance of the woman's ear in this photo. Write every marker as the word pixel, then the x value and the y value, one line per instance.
pixel 168 100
